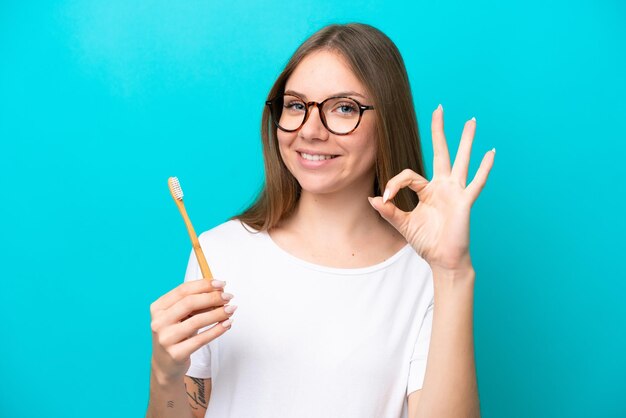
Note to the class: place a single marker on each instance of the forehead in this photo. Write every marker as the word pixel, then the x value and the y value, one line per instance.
pixel 322 74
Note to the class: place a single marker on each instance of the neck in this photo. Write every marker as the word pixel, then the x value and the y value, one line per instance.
pixel 344 216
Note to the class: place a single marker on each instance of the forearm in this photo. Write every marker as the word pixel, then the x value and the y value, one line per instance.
pixel 167 399
pixel 450 388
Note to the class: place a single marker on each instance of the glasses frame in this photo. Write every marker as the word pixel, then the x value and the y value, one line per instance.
pixel 320 106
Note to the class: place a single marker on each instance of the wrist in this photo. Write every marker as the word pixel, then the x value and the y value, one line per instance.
pixel 453 281
pixel 164 379
pixel 465 272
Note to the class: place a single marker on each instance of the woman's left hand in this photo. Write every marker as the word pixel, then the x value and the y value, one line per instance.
pixel 438 227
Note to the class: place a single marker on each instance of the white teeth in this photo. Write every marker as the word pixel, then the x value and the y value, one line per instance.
pixel 315 157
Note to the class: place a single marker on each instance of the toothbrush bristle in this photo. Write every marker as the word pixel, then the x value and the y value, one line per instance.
pixel 175 188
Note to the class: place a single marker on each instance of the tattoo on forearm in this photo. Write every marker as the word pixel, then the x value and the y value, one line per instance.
pixel 170 404
pixel 197 394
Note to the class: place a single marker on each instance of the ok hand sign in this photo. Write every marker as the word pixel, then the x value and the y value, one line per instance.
pixel 438 227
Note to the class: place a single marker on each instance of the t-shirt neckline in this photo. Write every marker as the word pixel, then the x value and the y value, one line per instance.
pixel 334 270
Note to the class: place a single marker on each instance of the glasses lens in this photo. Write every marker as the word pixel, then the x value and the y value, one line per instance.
pixel 289 112
pixel 341 114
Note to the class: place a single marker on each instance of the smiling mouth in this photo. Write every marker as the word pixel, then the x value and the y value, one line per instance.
pixel 316 157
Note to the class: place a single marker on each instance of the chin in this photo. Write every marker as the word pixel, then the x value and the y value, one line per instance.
pixel 314 187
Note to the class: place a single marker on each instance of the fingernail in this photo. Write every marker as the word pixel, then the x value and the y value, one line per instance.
pixel 370 199
pixel 385 196
pixel 217 283
pixel 440 107
pixel 230 309
pixel 473 118
pixel 228 322
pixel 227 296
pixel 494 150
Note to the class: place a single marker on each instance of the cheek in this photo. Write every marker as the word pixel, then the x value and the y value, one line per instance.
pixel 284 139
pixel 369 143
pixel 370 153
pixel 363 152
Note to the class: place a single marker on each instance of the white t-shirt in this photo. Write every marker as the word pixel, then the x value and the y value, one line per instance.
pixel 311 341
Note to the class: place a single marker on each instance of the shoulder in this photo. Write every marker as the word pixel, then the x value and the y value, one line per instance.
pixel 226 245
pixel 232 230
pixel 417 272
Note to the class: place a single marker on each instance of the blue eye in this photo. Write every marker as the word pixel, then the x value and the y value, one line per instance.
pixel 346 108
pixel 295 106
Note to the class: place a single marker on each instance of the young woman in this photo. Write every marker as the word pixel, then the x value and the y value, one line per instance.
pixel 350 305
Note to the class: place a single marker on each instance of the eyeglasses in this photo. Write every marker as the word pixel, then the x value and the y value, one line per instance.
pixel 340 115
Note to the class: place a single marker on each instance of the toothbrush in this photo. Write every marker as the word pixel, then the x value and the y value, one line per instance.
pixel 177 194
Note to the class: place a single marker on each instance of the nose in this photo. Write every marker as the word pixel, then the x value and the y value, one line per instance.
pixel 313 127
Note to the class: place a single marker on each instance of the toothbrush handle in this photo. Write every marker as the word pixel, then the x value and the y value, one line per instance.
pixel 204 266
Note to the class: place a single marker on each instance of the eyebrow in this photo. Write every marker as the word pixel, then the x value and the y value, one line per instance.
pixel 341 93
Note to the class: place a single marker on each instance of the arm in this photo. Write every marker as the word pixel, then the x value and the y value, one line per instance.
pixel 177 318
pixel 413 401
pixel 438 230
pixel 168 399
pixel 198 395
pixel 188 398
pixel 450 388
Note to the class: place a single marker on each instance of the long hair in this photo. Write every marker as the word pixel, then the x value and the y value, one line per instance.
pixel 377 63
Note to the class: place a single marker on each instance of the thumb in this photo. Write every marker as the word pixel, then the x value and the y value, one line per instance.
pixel 388 211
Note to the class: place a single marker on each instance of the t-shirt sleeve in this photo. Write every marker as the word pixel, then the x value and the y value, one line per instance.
pixel 417 368
pixel 200 359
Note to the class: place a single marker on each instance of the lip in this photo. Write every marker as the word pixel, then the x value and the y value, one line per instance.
pixel 314 164
pixel 312 152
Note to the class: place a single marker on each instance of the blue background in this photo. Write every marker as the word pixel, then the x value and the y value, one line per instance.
pixel 101 101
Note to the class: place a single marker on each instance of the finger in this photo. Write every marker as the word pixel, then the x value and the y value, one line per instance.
pixel 178 332
pixel 182 290
pixel 182 351
pixel 396 217
pixel 201 311
pixel 406 178
pixel 462 159
pixel 441 162
pixel 192 303
pixel 480 178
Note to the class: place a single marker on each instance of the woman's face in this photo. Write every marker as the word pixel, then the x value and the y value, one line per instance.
pixel 321 75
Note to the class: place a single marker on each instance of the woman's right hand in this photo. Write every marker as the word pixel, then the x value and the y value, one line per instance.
pixel 177 317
